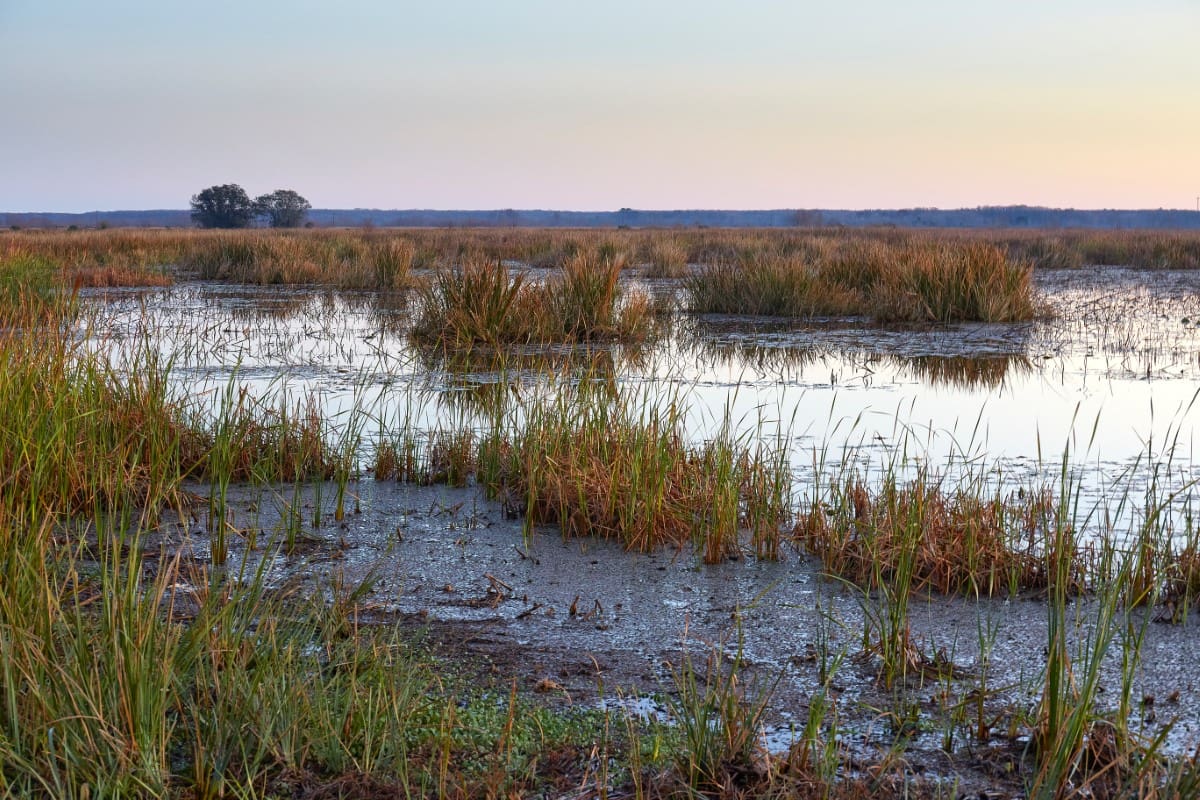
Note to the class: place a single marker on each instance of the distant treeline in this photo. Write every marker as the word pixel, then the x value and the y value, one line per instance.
pixel 983 217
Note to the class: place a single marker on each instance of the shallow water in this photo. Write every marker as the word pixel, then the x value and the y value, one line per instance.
pixel 1110 375
pixel 1109 378
pixel 445 555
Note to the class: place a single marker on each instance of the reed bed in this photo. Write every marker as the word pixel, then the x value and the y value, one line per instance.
pixel 123 674
pixel 621 469
pixel 933 271
pixel 551 247
pixel 131 675
pixel 909 282
pixel 959 540
pixel 485 304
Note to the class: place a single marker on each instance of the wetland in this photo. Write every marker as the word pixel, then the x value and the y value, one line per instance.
pixel 518 513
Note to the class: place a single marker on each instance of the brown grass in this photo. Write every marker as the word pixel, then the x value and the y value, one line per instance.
pixel 910 281
pixel 383 259
pixel 612 470
pixel 959 541
pixel 484 303
pixel 112 276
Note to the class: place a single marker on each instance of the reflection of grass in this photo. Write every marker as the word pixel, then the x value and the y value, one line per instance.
pixel 959 371
pixel 966 372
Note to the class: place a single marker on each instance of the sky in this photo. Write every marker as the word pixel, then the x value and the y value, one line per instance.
pixel 657 104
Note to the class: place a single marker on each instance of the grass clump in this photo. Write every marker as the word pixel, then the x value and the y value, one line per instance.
pixel 720 715
pixel 910 281
pixel 482 303
pixel 950 283
pixel 768 287
pixel 953 542
pixel 617 470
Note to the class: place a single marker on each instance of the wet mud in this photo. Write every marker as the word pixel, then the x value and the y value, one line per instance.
pixel 584 622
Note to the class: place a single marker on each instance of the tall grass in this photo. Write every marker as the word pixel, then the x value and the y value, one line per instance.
pixel 621 469
pixel 128 676
pixel 666 258
pixel 911 281
pixel 484 304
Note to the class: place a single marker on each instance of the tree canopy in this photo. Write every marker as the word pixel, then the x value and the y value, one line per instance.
pixel 283 208
pixel 226 206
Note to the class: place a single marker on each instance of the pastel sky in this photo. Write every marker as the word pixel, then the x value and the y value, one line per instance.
pixel 598 105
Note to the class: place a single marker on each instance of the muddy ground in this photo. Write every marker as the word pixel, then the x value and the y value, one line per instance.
pixel 1110 375
pixel 583 622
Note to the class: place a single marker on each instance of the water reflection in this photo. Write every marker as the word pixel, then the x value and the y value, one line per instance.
pixel 787 353
pixel 967 372
pixel 1120 356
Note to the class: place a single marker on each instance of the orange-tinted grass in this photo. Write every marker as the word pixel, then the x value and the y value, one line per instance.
pixel 112 276
pixel 963 543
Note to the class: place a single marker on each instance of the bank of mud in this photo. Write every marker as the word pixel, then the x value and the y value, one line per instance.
pixel 583 622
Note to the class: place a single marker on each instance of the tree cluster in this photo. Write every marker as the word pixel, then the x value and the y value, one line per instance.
pixel 228 206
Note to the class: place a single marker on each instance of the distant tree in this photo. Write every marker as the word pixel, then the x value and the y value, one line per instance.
pixel 226 206
pixel 283 208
